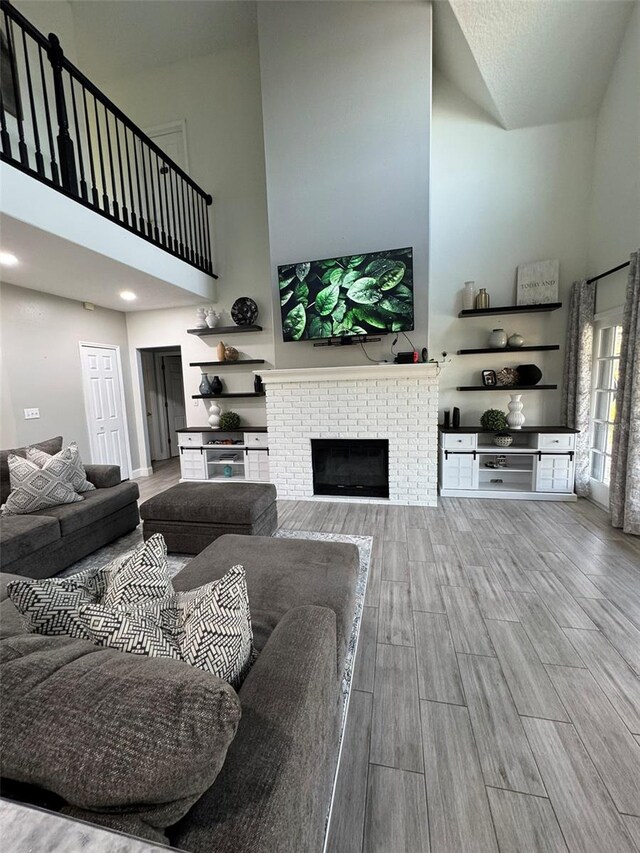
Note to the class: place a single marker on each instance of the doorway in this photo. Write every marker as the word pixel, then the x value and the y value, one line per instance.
pixel 164 400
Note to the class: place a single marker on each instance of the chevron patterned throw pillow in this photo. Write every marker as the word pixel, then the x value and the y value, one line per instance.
pixel 34 488
pixel 51 606
pixel 209 627
pixel 67 464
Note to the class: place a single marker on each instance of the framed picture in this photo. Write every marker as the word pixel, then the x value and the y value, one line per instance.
pixel 9 79
pixel 489 378
pixel 537 283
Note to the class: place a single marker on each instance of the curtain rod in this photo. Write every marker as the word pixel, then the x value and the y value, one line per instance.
pixel 608 272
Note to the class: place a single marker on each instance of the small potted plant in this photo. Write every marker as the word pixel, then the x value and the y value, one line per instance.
pixel 229 421
pixel 493 420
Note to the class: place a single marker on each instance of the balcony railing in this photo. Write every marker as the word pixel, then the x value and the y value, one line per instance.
pixel 57 126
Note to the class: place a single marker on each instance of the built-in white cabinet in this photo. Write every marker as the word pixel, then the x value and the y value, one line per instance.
pixel 538 465
pixel 201 458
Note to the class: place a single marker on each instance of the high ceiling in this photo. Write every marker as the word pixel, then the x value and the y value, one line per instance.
pixel 530 62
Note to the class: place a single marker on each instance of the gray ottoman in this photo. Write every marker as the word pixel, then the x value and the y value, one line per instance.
pixel 191 515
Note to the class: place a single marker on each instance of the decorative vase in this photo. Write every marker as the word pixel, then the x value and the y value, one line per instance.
pixel 498 339
pixel 220 350
pixel 212 318
pixel 201 323
pixel 529 374
pixel 516 340
pixel 258 385
pixel 482 299
pixel 205 387
pixel 501 440
pixel 515 418
pixel 214 414
pixel 455 419
pixel 216 385
pixel 227 471
pixel 469 295
pixel 231 354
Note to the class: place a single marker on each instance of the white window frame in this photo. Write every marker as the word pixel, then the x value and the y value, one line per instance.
pixel 603 320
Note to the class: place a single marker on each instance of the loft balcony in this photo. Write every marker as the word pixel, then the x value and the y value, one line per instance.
pixel 59 132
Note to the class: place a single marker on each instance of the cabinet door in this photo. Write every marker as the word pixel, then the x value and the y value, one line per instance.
pixel 459 471
pixel 554 473
pixel 192 464
pixel 256 465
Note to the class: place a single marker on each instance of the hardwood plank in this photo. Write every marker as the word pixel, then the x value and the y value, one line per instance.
pixel 633 828
pixel 374 581
pixel 562 606
pixel 505 756
pixel 547 638
pixel 396 817
pixel 621 633
pixel 531 688
pixel 438 528
pixel 619 682
pixel 395 624
pixel 574 581
pixel 438 673
pixel 419 545
pixel 623 594
pixel 365 665
pixel 585 811
pixel 523 553
pixel 395 735
pixel 465 620
pixel 347 817
pixel 470 550
pixel 510 576
pixel 492 598
pixel 395 529
pixel 525 824
pixel 458 808
pixel 611 747
pixel 395 561
pixel 449 566
pixel 425 590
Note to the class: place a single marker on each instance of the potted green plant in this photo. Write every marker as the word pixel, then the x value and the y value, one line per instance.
pixel 229 421
pixel 493 420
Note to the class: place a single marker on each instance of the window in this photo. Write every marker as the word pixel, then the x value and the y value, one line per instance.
pixel 607 340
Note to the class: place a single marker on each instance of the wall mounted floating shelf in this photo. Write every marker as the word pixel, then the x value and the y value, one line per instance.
pixel 226 363
pixel 510 309
pixel 223 330
pixel 508 349
pixel 216 396
pixel 506 388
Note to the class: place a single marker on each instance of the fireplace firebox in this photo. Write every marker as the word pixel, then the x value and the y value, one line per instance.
pixel 350 467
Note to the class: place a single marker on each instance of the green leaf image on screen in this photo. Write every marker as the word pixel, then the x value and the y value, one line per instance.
pixel 356 295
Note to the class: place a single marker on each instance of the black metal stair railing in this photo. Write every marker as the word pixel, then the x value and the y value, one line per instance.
pixel 57 126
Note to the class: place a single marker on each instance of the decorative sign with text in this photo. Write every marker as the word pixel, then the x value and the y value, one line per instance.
pixel 538 283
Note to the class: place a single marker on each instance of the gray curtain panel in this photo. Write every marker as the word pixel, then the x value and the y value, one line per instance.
pixel 624 490
pixel 576 386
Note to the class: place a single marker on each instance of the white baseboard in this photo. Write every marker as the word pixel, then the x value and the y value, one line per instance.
pixel 141 472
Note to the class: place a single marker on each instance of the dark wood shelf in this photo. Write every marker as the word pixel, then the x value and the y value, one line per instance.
pixel 209 428
pixel 223 330
pixel 225 394
pixel 510 309
pixel 479 429
pixel 226 363
pixel 509 349
pixel 508 388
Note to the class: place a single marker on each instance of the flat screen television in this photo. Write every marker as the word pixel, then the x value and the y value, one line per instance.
pixel 356 295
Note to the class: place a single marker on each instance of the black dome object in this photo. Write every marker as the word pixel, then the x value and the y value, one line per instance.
pixel 529 374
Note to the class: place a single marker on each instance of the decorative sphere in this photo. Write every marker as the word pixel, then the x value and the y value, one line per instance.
pixel 231 354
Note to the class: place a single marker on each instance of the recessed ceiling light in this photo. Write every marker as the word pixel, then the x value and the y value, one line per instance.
pixel 127 295
pixel 7 259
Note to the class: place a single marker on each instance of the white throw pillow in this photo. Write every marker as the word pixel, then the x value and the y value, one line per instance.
pixel 209 627
pixel 67 464
pixel 34 488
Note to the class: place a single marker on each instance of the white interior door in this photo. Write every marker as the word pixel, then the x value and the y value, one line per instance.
pixel 176 412
pixel 104 404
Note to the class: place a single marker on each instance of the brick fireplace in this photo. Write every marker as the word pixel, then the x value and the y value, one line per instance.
pixel 396 403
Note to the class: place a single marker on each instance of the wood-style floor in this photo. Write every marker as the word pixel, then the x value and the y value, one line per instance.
pixel 496 701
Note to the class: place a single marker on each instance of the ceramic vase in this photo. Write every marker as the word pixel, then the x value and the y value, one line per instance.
pixel 529 374
pixel 469 295
pixel 220 351
pixel 515 418
pixel 214 414
pixel 216 385
pixel 201 323
pixel 498 339
pixel 211 318
pixel 516 340
pixel 258 387
pixel 205 387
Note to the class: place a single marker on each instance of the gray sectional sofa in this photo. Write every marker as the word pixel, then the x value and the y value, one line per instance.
pixel 46 542
pixel 273 790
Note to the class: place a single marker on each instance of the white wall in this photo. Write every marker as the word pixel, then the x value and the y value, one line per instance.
pixel 41 366
pixel 614 223
pixel 498 199
pixel 346 100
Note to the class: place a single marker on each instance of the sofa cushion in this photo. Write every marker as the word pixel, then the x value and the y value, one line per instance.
pixel 228 503
pixel 10 619
pixel 20 535
pixel 52 606
pixel 110 732
pixel 51 445
pixel 68 464
pixel 103 476
pixel 34 488
pixel 209 628
pixel 94 507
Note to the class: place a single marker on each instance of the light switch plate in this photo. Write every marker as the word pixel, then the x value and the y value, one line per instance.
pixel 29 414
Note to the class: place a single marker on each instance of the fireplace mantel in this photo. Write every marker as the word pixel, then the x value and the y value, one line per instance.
pixel 337 374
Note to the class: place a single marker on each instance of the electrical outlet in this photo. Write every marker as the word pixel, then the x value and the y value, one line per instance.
pixel 196 403
pixel 29 414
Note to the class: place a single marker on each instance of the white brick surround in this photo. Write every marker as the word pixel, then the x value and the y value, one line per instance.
pixel 396 402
